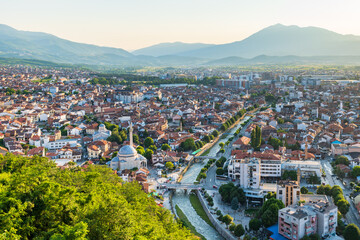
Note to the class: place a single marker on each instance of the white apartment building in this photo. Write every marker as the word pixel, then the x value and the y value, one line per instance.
pixel 317 215
pixel 58 144
pixel 307 168
pixel 270 168
pixel 245 171
pixel 130 96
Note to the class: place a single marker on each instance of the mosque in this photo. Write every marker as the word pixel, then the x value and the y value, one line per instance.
pixel 128 157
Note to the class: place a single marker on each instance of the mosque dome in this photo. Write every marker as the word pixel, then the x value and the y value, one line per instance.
pixel 127 150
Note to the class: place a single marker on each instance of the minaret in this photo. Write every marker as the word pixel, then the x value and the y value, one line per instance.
pixel 341 105
pixel 298 176
pixel 131 134
pixel 306 151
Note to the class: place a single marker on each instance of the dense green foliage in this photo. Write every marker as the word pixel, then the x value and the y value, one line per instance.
pixel 255 224
pixel 342 160
pixel 42 201
pixel 289 174
pixel 128 79
pixel 202 174
pixel 304 190
pixel 117 135
pixel 268 213
pixel 351 232
pixel 256 138
pixel 337 194
pixel 276 143
pixel 311 237
pixel 229 191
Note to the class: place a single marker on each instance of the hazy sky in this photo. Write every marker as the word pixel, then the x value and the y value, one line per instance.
pixel 132 24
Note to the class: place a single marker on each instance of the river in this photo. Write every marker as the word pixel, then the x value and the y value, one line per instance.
pixel 182 199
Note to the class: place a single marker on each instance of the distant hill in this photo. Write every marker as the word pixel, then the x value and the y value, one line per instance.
pixel 277 44
pixel 170 48
pixel 43 46
pixel 280 40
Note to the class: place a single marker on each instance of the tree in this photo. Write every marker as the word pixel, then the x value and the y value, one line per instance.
pixel 232 226
pixel 235 203
pixel 256 138
pixel 239 230
pixel 215 133
pixel 114 154
pixel 336 190
pixel 169 165
pixel 313 236
pixel 351 232
pixel 355 172
pixel 276 143
pixel 206 138
pixel 280 121
pixel 153 148
pixel 270 195
pixel 289 174
pixel 148 154
pixel 304 190
pixel 221 144
pixel 148 142
pixel 188 144
pixel 46 202
pixel 165 147
pixel 342 160
pixel 136 139
pixel 115 137
pixel 220 171
pixel 268 213
pixel 255 224
pixel 229 191
pixel 227 219
pixel 320 190
pixel 343 206
pixel 140 150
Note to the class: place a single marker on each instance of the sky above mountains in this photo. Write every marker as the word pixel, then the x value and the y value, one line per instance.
pixel 139 23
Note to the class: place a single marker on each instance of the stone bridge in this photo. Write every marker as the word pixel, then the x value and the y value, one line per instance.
pixel 183 186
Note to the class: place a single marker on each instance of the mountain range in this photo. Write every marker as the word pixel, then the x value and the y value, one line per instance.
pixel 277 44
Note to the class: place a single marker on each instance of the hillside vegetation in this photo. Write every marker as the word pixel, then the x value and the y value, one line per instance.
pixel 41 201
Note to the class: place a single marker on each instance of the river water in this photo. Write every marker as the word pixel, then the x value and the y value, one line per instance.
pixel 182 199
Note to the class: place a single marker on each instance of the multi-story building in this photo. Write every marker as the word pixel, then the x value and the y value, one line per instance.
pixel 307 168
pixel 233 83
pixel 317 215
pixel 126 96
pixel 245 171
pixel 270 169
pixel 288 192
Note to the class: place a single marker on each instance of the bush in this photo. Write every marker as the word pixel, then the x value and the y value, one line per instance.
pixel 255 224
pixel 239 230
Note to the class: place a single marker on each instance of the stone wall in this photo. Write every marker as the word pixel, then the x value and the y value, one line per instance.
pixel 223 232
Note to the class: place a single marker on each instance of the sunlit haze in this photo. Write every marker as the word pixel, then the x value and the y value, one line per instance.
pixel 139 23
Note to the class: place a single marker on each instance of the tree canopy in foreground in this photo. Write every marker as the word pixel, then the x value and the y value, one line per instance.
pixel 41 201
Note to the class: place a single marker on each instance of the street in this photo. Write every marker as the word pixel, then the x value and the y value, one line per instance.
pixel 352 216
